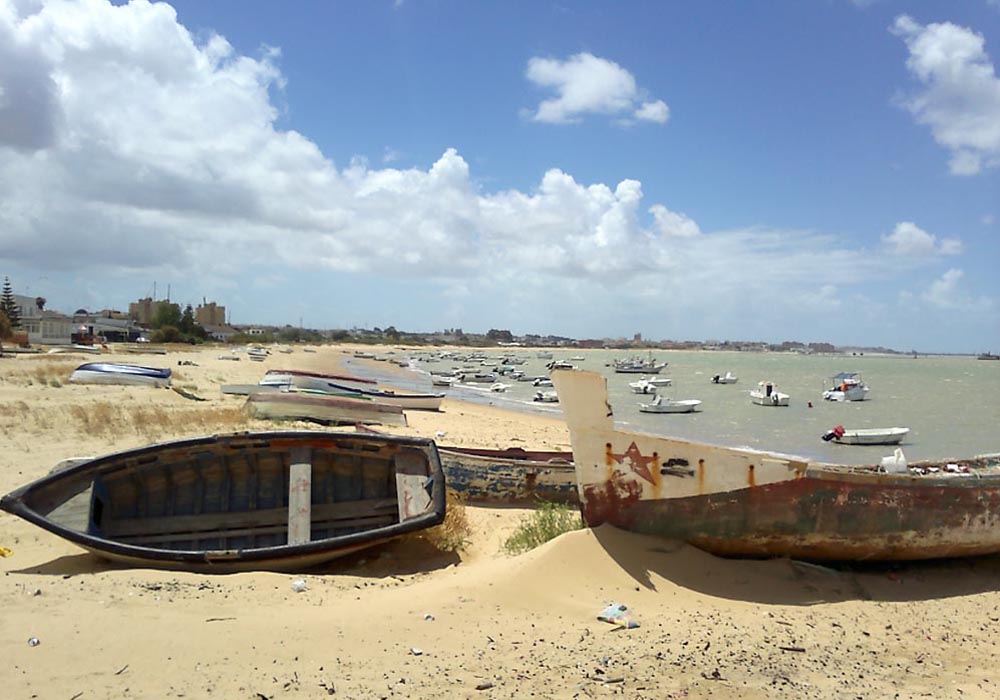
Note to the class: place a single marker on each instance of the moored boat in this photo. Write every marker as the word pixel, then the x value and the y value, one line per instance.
pixel 281 501
pixel 727 378
pixel 659 404
pixel 767 394
pixel 741 502
pixel 846 386
pixel 866 436
pixel 117 373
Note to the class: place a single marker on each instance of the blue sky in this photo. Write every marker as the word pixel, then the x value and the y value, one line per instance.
pixel 814 171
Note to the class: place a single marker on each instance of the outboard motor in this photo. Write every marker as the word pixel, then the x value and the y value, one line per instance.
pixel 835 432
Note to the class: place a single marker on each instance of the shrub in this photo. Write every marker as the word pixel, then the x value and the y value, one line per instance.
pixel 546 523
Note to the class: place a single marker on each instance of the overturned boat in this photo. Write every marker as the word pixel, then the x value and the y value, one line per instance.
pixel 117 373
pixel 280 501
pixel 742 502
pixel 321 408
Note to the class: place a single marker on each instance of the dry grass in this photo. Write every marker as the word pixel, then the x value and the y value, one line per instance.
pixel 107 419
pixel 453 534
pixel 43 371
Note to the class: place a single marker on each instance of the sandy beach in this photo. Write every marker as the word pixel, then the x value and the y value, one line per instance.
pixel 405 621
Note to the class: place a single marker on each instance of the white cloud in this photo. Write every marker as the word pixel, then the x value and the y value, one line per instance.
pixel 909 239
pixel 960 100
pixel 668 223
pixel 653 112
pixel 585 84
pixel 944 292
pixel 158 157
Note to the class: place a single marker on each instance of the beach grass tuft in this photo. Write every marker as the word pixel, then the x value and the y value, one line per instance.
pixel 455 533
pixel 548 522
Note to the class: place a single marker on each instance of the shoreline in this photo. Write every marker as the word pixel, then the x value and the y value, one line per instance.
pixel 403 621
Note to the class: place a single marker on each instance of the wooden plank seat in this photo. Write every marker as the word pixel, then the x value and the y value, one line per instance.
pixel 369 512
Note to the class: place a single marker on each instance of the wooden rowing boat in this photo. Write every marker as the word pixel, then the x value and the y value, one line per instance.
pixel 253 501
pixel 748 503
pixel 512 475
pixel 322 408
pixel 118 373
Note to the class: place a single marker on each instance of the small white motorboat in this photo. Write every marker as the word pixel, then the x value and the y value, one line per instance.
pixel 499 387
pixel 541 381
pixel 443 380
pixel 546 396
pixel 767 394
pixel 642 386
pixel 662 405
pixel 866 436
pixel 847 386
pixel 727 378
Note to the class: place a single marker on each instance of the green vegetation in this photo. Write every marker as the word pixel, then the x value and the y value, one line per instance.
pixel 8 306
pixel 546 523
pixel 173 326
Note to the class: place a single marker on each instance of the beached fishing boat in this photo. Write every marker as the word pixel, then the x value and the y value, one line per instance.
pixel 326 409
pixel 116 373
pixel 312 381
pixel 280 501
pixel 411 401
pixel 512 475
pixel 866 436
pixel 747 503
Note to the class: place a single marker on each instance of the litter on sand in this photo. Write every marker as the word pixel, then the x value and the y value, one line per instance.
pixel 618 614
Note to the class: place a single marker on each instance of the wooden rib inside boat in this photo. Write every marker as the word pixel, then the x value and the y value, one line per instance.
pixel 272 501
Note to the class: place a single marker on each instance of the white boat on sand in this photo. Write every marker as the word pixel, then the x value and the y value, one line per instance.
pixel 662 405
pixel 767 394
pixel 117 373
pixel 866 436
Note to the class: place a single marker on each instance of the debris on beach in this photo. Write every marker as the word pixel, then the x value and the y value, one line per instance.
pixel 299 585
pixel 618 614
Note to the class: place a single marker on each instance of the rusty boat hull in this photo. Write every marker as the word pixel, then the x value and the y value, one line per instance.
pixel 735 502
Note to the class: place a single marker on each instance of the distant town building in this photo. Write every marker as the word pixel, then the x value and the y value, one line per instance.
pixel 42 326
pixel 144 310
pixel 210 314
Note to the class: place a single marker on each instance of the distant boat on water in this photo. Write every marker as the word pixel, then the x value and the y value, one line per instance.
pixel 988 356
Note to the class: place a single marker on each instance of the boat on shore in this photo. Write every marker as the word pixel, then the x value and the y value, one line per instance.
pixel 118 373
pixel 325 409
pixel 277 501
pixel 767 394
pixel 741 502
pixel 865 436
pixel 313 381
pixel 510 476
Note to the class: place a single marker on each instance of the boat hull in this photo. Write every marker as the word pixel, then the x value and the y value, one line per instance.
pixel 280 501
pixel 510 476
pixel 128 375
pixel 892 436
pixel 740 502
pixel 332 410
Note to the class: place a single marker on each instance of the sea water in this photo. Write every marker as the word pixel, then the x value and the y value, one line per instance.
pixel 951 404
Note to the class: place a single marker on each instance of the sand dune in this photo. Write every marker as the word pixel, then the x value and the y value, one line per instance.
pixel 406 621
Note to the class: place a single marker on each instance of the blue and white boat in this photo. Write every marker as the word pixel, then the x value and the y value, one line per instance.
pixel 115 373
